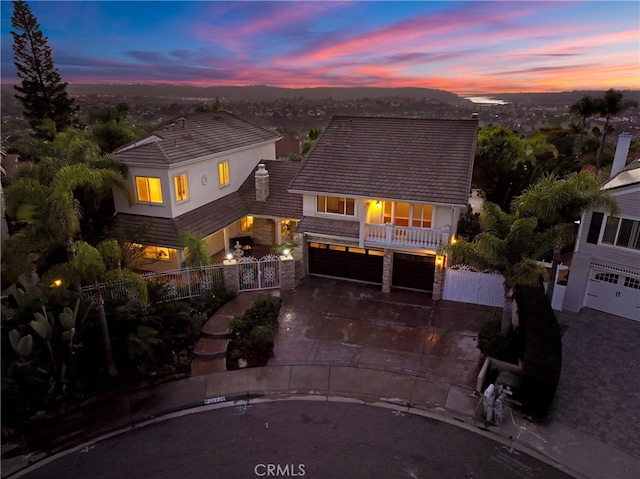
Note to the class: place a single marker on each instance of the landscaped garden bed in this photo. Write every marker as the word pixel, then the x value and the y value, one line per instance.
pixel 253 334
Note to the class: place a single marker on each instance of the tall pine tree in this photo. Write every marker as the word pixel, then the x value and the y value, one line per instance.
pixel 42 92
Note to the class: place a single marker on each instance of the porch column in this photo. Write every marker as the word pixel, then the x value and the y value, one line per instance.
pixel 438 277
pixel 300 255
pixel 278 226
pixel 230 274
pixel 387 270
pixel 287 273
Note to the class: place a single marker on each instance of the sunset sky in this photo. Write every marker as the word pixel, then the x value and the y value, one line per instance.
pixel 463 47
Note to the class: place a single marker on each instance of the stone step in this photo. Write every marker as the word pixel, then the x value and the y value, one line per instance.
pixel 217 326
pixel 211 348
pixel 203 365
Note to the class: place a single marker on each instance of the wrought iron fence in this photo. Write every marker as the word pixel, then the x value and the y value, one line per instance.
pixel 263 273
pixel 180 284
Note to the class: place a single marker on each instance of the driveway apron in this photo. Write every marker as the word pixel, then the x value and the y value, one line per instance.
pixel 333 322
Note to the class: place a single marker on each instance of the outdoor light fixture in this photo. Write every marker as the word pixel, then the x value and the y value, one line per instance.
pixel 378 203
pixel 453 239
pixel 439 261
pixel 229 256
pixel 286 251
pixel 57 283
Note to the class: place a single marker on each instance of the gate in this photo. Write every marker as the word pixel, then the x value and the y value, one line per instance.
pixel 468 286
pixel 263 273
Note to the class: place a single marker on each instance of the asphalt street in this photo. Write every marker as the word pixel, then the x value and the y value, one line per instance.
pixel 296 438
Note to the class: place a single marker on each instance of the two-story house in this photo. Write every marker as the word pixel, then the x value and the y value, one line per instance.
pixel 605 268
pixel 201 173
pixel 382 195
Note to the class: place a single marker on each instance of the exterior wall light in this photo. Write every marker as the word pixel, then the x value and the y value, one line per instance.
pixel 439 261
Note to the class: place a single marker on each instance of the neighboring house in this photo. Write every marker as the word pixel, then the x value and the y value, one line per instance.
pixel 605 268
pixel 382 195
pixel 286 147
pixel 200 173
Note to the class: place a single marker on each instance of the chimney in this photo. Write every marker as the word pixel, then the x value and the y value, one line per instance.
pixel 622 151
pixel 262 183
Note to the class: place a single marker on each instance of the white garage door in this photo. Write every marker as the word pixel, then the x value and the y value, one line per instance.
pixel 614 293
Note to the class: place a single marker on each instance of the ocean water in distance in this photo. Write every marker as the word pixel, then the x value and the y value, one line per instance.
pixel 486 100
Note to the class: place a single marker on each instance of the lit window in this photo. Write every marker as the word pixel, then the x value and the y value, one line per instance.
pixel 421 216
pixel 156 252
pixel 182 187
pixel 336 205
pixel 408 214
pixel 246 224
pixel 223 173
pixel 149 190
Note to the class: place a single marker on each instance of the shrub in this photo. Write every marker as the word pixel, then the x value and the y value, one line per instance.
pixel 542 359
pixel 492 343
pixel 254 332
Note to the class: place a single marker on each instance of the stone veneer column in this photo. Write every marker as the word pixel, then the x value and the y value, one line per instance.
pixel 287 273
pixel 438 278
pixel 300 255
pixel 387 271
pixel 230 275
pixel 263 231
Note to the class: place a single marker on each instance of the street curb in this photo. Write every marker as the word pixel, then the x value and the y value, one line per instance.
pixel 437 413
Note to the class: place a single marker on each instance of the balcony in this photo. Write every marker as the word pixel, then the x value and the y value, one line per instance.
pixel 388 235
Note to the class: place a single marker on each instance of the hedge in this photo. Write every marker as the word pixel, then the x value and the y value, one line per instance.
pixel 542 359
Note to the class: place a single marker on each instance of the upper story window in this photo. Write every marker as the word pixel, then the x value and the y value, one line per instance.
pixel 336 205
pixel 621 232
pixel 223 173
pixel 148 190
pixel 182 187
pixel 408 214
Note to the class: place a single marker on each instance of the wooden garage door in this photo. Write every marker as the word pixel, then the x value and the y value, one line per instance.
pixel 346 262
pixel 413 271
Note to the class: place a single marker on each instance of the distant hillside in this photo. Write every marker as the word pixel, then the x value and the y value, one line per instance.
pixel 261 92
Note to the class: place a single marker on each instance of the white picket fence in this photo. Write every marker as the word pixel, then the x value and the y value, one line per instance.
pixel 469 286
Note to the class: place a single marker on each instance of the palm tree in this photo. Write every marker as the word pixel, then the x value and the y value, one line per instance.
pixel 558 203
pixel 508 245
pixel 195 248
pixel 586 107
pixel 610 105
pixel 90 266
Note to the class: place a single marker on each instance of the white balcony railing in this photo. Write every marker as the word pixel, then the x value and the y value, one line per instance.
pixel 390 235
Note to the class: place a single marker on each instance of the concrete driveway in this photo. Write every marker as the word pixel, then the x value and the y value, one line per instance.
pixel 332 322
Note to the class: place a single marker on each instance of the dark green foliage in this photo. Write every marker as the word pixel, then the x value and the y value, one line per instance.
pixel 542 359
pixel 492 343
pixel 469 224
pixel 42 92
pixel 253 333
pixel 213 300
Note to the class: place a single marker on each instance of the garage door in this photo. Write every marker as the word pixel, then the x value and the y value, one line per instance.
pixel 413 271
pixel 614 293
pixel 346 262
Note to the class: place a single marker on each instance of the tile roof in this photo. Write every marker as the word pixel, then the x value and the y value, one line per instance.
pixel 330 227
pixel 280 202
pixel 205 220
pixel 410 159
pixel 214 216
pixel 195 136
